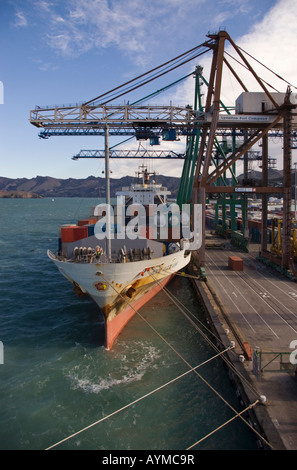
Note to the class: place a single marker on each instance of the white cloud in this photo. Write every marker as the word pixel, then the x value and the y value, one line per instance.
pixel 237 6
pixel 273 41
pixel 227 10
pixel 58 19
pixel 135 27
pixel 43 5
pixel 20 20
pixel 94 24
pixel 60 42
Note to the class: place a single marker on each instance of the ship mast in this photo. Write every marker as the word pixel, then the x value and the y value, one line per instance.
pixel 108 244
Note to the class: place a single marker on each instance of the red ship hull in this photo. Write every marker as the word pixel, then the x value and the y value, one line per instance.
pixel 114 326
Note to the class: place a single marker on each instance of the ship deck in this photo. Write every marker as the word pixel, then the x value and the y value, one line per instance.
pixel 259 306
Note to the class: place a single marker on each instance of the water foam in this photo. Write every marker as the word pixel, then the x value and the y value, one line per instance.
pixel 127 372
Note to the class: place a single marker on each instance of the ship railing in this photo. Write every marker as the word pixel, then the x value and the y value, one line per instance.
pixel 90 256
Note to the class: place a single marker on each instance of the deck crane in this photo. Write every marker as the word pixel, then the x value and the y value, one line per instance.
pixel 200 125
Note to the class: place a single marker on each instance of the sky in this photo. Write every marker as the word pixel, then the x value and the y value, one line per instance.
pixel 70 51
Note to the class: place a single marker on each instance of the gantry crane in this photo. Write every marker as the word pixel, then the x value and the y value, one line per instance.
pixel 140 153
pixel 199 124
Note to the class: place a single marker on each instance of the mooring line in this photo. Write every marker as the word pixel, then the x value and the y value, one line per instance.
pixel 135 401
pixel 191 369
pixel 205 381
pixel 228 404
pixel 223 425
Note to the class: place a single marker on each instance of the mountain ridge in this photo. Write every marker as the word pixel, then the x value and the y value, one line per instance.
pixel 92 186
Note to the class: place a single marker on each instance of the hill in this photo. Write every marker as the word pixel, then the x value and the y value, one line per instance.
pixel 274 176
pixel 92 186
pixel 46 186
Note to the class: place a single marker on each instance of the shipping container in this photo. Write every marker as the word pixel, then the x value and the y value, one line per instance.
pixel 74 233
pixel 89 221
pixel 91 229
pixel 64 225
pixel 235 263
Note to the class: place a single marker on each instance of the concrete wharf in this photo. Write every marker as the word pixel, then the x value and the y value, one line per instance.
pixel 257 308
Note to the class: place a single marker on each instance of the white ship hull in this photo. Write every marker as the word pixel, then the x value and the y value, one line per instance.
pixel 120 289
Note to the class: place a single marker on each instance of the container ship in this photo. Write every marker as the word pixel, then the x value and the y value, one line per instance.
pixel 119 269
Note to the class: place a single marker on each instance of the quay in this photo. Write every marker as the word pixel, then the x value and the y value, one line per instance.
pixel 256 307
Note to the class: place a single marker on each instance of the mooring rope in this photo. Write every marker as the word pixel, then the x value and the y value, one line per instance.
pixel 135 401
pixel 223 425
pixel 205 381
pixel 191 369
pixel 228 404
pixel 225 358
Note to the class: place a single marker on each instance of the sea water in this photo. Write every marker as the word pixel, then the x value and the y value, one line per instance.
pixel 57 378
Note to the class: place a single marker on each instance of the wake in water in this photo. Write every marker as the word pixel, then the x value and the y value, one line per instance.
pixel 125 373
